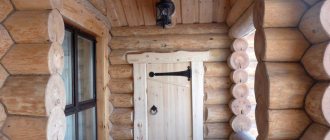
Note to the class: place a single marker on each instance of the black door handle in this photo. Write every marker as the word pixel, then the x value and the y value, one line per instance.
pixel 153 110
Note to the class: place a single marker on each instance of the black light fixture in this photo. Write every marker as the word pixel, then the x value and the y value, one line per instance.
pixel 165 10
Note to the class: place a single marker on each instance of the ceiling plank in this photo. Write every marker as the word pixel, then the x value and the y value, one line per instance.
pixel 206 11
pixel 178 16
pixel 221 9
pixel 133 13
pixel 190 11
pixel 115 13
pixel 100 5
pixel 148 11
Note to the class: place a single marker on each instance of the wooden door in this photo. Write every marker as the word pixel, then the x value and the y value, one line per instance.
pixel 172 97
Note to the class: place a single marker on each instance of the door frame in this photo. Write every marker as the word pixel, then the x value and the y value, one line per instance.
pixel 140 62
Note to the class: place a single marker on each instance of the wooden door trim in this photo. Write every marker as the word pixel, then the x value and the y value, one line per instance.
pixel 140 62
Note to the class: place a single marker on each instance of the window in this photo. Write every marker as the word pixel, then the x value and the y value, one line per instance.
pixel 79 79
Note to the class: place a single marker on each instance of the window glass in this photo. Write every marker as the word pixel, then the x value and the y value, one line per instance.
pixel 87 124
pixel 67 71
pixel 85 69
pixel 70 128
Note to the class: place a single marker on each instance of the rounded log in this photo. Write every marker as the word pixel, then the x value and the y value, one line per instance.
pixel 56 124
pixel 237 10
pixel 238 60
pixel 270 13
pixel 3 137
pixel 122 100
pixel 241 136
pixel 317 103
pixel 217 113
pixel 280 44
pixel 316 61
pixel 216 96
pixel 6 9
pixel 240 106
pixel 240 123
pixel 33 95
pixel 122 116
pixel 42 26
pixel 281 85
pixel 217 82
pixel 5 41
pixel 216 69
pixel 35 128
pixel 239 76
pixel 34 59
pixel 121 86
pixel 240 90
pixel 37 4
pixel 244 25
pixel 239 45
pixel 121 71
pixel 3 115
pixel 3 75
pixel 316 132
pixel 121 132
pixel 55 93
pixel 315 23
pixel 172 42
pixel 217 130
pixel 280 124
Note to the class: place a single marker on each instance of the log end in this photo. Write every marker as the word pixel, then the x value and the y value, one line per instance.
pixel 240 90
pixel 241 136
pixel 3 75
pixel 239 45
pixel 241 123
pixel 56 126
pixel 56 59
pixel 5 41
pixel 55 93
pixel 3 115
pixel 6 9
pixel 56 26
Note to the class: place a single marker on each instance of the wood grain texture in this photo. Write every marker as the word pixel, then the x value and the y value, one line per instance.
pixel 217 130
pixel 316 131
pixel 280 44
pixel 99 5
pixel 133 12
pixel 241 123
pixel 240 106
pixel 3 75
pixel 317 102
pixel 239 45
pixel 115 13
pixel 122 100
pixel 240 90
pixel 121 86
pixel 34 59
pixel 205 11
pixel 3 115
pixel 315 24
pixel 6 8
pixel 238 60
pixel 216 69
pixel 122 116
pixel 122 132
pixel 207 28
pixel 280 124
pixel 38 5
pixel 281 85
pixel 269 13
pixel 36 26
pixel 239 76
pixel 217 82
pixel 121 71
pixel 216 96
pixel 244 25
pixel 316 63
pixel 190 11
pixel 5 41
pixel 172 42
pixel 237 10
pixel 217 113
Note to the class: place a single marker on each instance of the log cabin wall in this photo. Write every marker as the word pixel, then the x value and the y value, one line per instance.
pixel 32 94
pixel 288 67
pixel 190 37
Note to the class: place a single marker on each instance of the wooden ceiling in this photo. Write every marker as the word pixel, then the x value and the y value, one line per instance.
pixel 142 12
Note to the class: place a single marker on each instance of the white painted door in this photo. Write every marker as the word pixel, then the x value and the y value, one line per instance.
pixel 172 97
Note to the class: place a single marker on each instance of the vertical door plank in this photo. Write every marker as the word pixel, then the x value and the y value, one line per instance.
pixel 221 8
pixel 206 11
pixel 148 11
pixel 190 11
pixel 140 102
pixel 197 98
pixel 133 13
pixel 115 13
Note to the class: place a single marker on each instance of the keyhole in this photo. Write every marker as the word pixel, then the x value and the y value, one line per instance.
pixel 153 110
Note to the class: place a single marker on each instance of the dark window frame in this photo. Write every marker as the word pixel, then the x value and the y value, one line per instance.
pixel 77 106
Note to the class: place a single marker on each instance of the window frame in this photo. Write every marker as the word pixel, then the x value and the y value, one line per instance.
pixel 75 107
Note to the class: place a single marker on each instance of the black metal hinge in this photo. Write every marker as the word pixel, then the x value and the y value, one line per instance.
pixel 186 73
